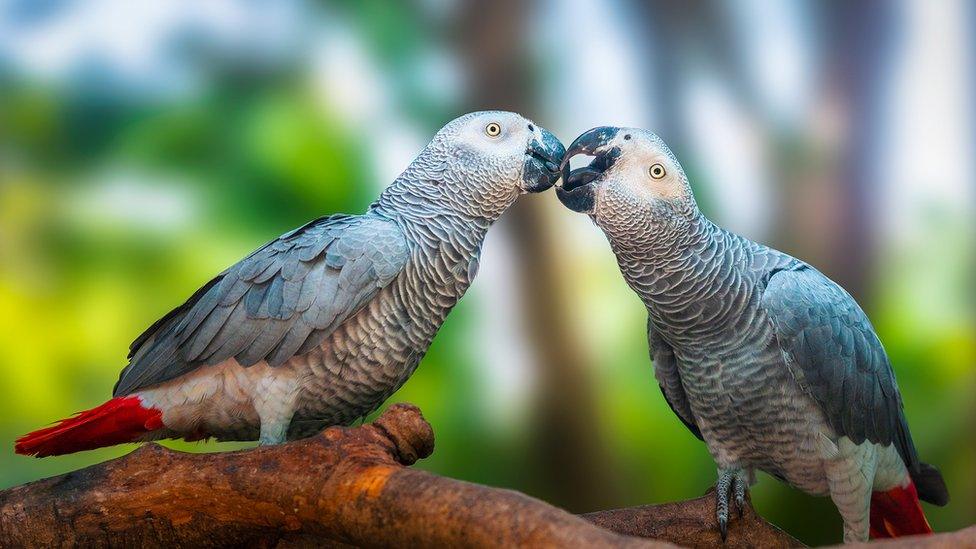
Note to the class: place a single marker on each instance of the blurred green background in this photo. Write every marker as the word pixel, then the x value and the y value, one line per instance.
pixel 145 146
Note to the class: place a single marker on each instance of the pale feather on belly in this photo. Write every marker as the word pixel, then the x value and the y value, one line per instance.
pixel 216 400
pixel 346 377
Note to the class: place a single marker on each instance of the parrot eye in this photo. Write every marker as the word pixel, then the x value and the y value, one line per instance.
pixel 657 171
pixel 493 129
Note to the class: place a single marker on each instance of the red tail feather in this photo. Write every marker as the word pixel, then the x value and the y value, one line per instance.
pixel 897 513
pixel 119 420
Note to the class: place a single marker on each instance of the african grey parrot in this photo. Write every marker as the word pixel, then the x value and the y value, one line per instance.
pixel 769 362
pixel 319 326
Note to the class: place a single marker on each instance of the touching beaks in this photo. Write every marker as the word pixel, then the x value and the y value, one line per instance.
pixel 542 161
pixel 597 143
pixel 576 191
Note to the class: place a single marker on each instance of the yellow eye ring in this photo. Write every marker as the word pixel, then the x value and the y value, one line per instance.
pixel 657 171
pixel 493 129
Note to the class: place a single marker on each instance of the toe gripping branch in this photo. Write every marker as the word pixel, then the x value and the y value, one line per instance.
pixel 732 483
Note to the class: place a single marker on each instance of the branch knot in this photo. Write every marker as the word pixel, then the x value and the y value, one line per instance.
pixel 405 426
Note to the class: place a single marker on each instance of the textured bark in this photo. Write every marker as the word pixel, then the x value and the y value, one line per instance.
pixel 345 487
pixel 692 523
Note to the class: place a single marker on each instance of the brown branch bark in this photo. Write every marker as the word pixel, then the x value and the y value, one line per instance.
pixel 692 523
pixel 345 487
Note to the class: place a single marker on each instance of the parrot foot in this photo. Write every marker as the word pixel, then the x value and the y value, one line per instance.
pixel 730 482
pixel 274 430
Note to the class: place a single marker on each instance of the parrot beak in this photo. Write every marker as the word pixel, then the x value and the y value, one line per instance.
pixel 576 191
pixel 542 158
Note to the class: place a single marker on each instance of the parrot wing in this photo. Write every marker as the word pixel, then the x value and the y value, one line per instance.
pixel 666 373
pixel 833 351
pixel 278 302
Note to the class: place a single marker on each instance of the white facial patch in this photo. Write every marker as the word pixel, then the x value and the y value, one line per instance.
pixel 634 169
pixel 498 134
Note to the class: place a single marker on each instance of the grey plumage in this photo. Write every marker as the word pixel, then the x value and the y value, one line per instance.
pixel 244 313
pixel 335 315
pixel 836 356
pixel 768 361
pixel 833 351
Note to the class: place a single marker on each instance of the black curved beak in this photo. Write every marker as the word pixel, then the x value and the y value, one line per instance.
pixel 542 158
pixel 576 193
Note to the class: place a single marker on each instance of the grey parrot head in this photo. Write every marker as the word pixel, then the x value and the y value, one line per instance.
pixel 633 183
pixel 484 160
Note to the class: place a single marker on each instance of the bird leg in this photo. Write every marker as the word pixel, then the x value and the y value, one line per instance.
pixel 275 408
pixel 740 495
pixel 732 481
pixel 274 431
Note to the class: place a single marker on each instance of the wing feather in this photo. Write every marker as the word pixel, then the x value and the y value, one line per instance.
pixel 279 301
pixel 824 334
pixel 668 378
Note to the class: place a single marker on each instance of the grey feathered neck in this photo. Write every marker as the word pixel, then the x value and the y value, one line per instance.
pixel 674 264
pixel 660 233
pixel 434 186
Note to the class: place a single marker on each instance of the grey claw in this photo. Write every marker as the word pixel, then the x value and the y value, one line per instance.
pixel 740 494
pixel 722 505
pixel 729 480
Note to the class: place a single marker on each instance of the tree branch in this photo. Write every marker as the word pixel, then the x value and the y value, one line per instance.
pixel 347 486
pixel 692 523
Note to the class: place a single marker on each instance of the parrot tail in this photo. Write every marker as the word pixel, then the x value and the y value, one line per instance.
pixel 930 484
pixel 122 419
pixel 897 513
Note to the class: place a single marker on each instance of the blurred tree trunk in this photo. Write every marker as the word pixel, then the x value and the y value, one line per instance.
pixel 826 169
pixel 856 58
pixel 568 460
pixel 680 32
pixel 663 51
